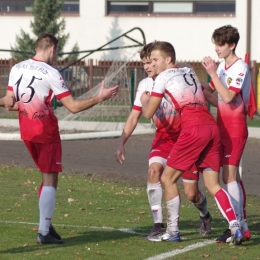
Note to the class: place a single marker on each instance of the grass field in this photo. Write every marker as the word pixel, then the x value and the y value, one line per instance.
pixel 100 219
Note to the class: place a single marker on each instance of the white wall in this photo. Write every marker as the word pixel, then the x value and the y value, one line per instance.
pixel 191 37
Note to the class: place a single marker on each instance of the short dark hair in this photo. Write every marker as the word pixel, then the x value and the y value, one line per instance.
pixel 145 52
pixel 226 34
pixel 164 47
pixel 45 41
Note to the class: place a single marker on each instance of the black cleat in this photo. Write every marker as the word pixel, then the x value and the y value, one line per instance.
pixel 53 232
pixel 225 238
pixel 48 239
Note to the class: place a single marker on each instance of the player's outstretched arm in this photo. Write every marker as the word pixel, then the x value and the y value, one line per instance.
pixel 129 127
pixel 210 66
pixel 75 106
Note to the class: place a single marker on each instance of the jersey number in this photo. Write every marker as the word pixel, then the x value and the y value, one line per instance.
pixel 29 86
pixel 190 84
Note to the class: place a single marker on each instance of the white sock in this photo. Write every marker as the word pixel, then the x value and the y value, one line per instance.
pixel 46 207
pixel 172 207
pixel 154 193
pixel 232 189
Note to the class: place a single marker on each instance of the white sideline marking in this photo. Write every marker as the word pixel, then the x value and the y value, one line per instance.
pixel 181 251
pixel 125 230
pixel 130 231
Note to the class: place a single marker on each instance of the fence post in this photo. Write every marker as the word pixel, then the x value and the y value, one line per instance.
pixel 132 87
pixel 90 73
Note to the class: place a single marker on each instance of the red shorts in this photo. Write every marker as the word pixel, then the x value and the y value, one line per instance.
pixel 192 174
pixel 161 148
pixel 232 150
pixel 47 157
pixel 199 145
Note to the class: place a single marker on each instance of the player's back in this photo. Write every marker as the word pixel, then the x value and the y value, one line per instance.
pixel 183 88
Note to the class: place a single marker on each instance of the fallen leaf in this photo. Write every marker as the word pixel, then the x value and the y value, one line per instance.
pixel 110 208
pixel 66 215
pixel 235 257
pixel 180 247
pixel 81 209
pixel 206 255
pixel 25 245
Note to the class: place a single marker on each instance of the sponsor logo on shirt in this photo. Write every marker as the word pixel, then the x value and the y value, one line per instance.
pixel 229 80
pixel 227 156
pixel 58 162
pixel 241 74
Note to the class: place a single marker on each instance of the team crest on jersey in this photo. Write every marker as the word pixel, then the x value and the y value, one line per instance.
pixel 229 80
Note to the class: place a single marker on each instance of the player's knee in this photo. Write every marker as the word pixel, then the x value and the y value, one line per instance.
pixel 153 175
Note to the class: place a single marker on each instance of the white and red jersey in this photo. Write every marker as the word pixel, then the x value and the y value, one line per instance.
pixel 231 117
pixel 34 84
pixel 166 118
pixel 181 87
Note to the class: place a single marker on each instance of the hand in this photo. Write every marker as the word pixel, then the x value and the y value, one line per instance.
pixel 107 93
pixel 120 154
pixel 8 101
pixel 145 97
pixel 209 65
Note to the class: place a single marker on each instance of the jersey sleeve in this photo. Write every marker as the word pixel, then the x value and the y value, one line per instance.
pixel 58 85
pixel 141 88
pixel 159 87
pixel 238 77
pixel 11 83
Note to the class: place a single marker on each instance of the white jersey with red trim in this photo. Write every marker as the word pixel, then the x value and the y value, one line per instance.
pixel 166 118
pixel 34 84
pixel 182 88
pixel 232 116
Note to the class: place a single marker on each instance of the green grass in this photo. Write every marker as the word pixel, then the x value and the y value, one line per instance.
pixel 89 215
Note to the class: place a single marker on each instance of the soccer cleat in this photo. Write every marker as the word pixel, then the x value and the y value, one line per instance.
pixel 53 232
pixel 156 227
pixel 205 225
pixel 236 234
pixel 225 238
pixel 170 236
pixel 247 235
pixel 48 239
pixel 156 235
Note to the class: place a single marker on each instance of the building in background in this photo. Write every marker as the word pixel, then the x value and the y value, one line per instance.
pixel 187 24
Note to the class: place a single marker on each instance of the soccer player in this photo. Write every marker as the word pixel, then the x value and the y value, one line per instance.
pixel 167 123
pixel 198 142
pixel 34 83
pixel 232 82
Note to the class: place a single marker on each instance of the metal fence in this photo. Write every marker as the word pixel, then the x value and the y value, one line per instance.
pixel 84 75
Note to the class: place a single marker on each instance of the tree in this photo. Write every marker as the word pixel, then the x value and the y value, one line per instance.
pixel 115 31
pixel 46 20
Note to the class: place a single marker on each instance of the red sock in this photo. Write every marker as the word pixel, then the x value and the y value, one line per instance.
pixel 225 205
